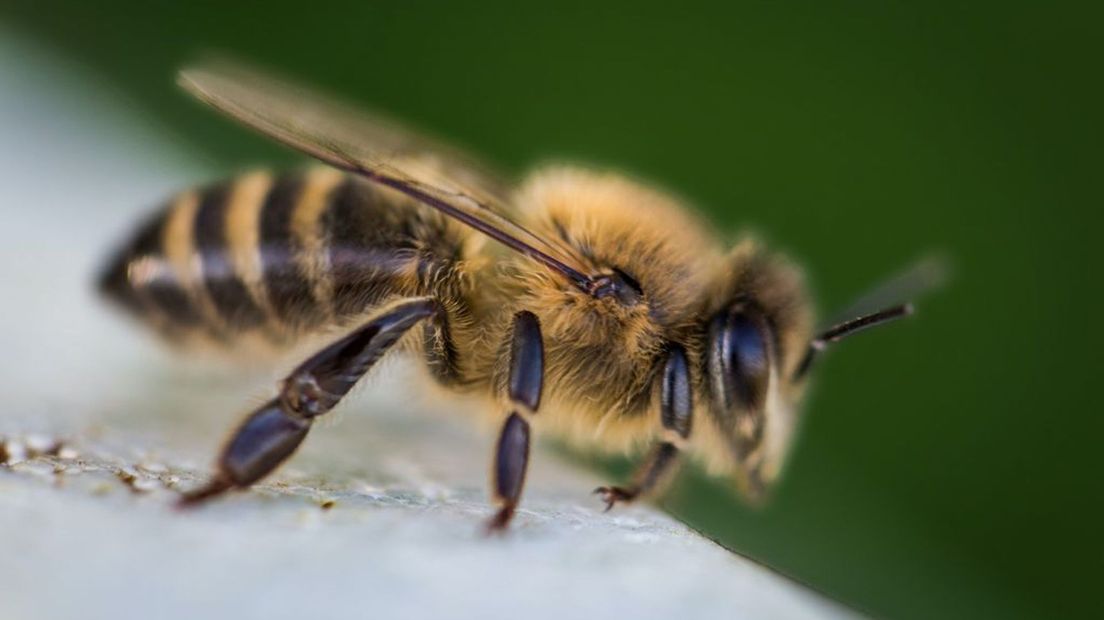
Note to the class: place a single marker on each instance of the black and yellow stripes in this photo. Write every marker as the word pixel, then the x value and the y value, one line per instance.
pixel 293 247
pixel 178 245
pixel 311 237
pixel 289 289
pixel 277 255
pixel 372 247
pixel 146 283
pixel 222 276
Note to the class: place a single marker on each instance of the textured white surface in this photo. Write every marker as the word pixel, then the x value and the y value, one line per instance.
pixel 379 516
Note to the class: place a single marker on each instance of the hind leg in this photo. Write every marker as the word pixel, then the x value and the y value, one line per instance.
pixel 272 433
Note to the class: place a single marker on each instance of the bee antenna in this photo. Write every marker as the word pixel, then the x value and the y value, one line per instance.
pixel 847 328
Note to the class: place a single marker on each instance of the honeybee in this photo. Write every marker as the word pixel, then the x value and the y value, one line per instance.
pixel 581 302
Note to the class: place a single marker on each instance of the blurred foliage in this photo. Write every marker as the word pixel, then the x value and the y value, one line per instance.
pixel 949 465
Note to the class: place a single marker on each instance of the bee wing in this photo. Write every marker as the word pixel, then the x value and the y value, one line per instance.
pixel 887 302
pixel 899 290
pixel 438 176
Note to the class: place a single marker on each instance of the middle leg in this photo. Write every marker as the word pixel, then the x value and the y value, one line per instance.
pixel 676 409
pixel 524 385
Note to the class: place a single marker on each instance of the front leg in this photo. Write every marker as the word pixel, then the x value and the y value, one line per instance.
pixel 524 390
pixel 272 433
pixel 675 408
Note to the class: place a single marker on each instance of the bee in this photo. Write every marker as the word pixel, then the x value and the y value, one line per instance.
pixel 580 302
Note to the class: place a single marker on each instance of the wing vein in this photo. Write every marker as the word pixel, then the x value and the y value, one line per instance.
pixel 362 144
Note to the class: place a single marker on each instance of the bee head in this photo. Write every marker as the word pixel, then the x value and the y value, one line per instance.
pixel 759 328
pixel 761 346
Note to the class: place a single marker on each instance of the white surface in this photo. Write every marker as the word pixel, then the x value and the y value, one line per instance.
pixel 91 533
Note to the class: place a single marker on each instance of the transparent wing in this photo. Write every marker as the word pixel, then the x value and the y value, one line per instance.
pixel 436 175
pixel 899 290
pixel 887 302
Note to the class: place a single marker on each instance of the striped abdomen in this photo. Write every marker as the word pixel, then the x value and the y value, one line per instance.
pixel 279 256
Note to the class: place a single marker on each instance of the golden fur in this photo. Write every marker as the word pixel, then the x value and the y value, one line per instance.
pixel 602 357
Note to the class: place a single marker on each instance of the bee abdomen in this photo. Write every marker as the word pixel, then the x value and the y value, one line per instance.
pixel 277 255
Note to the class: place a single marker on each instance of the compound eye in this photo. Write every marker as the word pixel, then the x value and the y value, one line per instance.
pixel 745 357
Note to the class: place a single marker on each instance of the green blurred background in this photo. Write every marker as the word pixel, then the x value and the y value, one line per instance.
pixel 949 465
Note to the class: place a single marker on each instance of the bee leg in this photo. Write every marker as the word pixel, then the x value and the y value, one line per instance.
pixel 649 478
pixel 676 410
pixel 272 433
pixel 524 388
